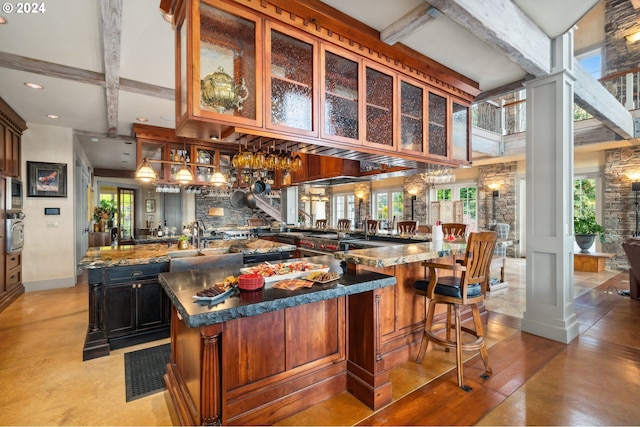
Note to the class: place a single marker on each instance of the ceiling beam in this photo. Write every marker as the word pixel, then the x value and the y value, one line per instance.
pixel 597 101
pixel 409 23
pixel 49 69
pixel 111 35
pixel 504 26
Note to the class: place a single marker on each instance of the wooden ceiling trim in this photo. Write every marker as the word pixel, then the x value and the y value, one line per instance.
pixel 49 69
pixel 111 22
pixel 409 23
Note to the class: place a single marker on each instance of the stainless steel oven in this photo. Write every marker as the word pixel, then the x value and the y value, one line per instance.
pixel 15 231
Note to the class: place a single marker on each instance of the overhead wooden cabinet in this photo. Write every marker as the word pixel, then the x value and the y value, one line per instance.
pixel 11 128
pixel 255 68
pixel 291 63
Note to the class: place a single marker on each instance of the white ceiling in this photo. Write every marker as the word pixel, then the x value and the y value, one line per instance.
pixel 69 33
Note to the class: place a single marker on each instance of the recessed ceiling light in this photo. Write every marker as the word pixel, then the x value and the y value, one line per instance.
pixel 2 20
pixel 94 140
pixel 142 119
pixel 53 116
pixel 33 85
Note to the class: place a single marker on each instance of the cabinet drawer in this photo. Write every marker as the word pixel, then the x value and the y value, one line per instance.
pixel 134 272
pixel 14 278
pixel 14 260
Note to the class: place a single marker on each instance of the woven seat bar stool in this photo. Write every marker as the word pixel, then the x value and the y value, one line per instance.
pixel 321 223
pixel 454 229
pixel 407 227
pixel 371 226
pixel 456 292
pixel 344 224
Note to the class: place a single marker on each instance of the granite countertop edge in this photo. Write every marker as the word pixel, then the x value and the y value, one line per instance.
pixel 261 307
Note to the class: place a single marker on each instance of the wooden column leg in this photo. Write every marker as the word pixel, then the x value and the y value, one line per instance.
pixel 211 385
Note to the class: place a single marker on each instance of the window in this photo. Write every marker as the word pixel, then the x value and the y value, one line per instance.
pixel 466 193
pixel 388 204
pixel 344 206
pixel 592 62
pixel 584 197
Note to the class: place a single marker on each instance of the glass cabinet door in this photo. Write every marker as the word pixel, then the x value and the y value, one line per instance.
pixel 437 125
pixel 228 65
pixel 411 117
pixel 460 131
pixel 379 108
pixel 291 71
pixel 341 78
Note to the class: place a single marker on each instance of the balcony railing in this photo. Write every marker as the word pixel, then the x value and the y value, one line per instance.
pixel 510 118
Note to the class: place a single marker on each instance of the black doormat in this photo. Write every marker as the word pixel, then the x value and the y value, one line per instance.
pixel 144 371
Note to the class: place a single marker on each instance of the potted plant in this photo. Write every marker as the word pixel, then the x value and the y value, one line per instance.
pixel 183 242
pixel 585 229
pixel 104 212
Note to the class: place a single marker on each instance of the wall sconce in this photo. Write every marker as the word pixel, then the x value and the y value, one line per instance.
pixel 495 188
pixel 413 191
pixel 633 37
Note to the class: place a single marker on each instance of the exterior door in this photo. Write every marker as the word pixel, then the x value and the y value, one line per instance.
pixel 126 216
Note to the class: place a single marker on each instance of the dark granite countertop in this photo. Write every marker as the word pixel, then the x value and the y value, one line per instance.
pixel 181 286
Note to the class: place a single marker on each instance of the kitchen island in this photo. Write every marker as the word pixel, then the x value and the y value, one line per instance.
pixel 127 305
pixel 258 357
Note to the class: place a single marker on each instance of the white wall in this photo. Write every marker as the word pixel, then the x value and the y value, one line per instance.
pixel 48 257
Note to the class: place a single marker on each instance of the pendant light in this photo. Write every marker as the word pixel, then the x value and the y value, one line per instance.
pixel 145 172
pixel 218 178
pixel 184 175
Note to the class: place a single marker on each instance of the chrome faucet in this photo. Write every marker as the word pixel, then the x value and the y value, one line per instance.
pixel 197 226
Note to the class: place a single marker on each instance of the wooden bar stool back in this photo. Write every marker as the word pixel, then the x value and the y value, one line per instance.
pixel 407 227
pixel 321 223
pixel 455 229
pixel 457 292
pixel 424 229
pixel 371 225
pixel 344 224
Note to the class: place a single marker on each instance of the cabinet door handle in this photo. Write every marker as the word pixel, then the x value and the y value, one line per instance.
pixel 136 273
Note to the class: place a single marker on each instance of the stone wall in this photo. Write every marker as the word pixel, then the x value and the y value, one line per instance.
pixel 503 176
pixel 619 202
pixel 621 20
pixel 232 215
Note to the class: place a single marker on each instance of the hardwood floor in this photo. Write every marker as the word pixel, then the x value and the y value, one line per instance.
pixel 592 381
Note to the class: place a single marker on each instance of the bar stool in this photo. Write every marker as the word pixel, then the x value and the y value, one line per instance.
pixel 454 229
pixel 321 223
pixel 344 224
pixel 424 229
pixel 407 227
pixel 371 226
pixel 457 292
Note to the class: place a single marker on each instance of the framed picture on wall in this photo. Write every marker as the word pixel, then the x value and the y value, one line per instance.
pixel 150 205
pixel 46 179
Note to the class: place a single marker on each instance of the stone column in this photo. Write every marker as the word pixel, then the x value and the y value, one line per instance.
pixel 549 156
